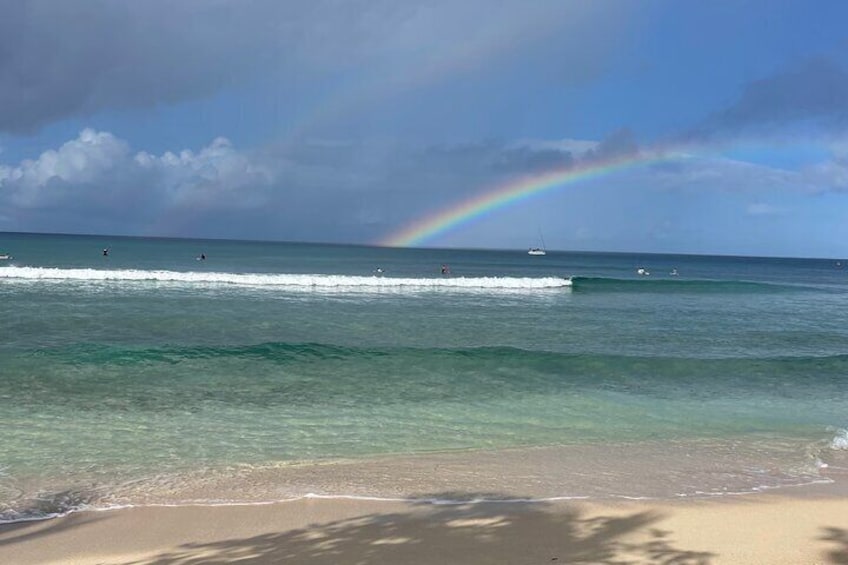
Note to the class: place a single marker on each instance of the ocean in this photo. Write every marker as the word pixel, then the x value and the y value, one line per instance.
pixel 270 371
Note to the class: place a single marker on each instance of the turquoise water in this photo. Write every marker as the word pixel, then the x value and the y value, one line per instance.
pixel 149 362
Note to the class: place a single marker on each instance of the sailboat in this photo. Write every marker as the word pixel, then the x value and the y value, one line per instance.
pixel 538 250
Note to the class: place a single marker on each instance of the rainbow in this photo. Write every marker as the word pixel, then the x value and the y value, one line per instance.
pixel 516 191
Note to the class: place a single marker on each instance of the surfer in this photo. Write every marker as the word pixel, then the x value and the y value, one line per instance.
pixel 445 269
pixel 105 251
pixel 379 270
pixel 203 256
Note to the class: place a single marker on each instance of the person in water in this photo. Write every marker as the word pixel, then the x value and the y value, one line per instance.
pixel 105 251
pixel 445 270
pixel 203 256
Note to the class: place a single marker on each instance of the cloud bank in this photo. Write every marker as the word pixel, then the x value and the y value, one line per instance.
pixel 341 191
pixel 79 57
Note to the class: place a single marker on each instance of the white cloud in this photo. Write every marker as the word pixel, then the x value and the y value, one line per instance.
pixel 832 174
pixel 97 159
pixel 719 174
pixel 216 171
pixel 80 161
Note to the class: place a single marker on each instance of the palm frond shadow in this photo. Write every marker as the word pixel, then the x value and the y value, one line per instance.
pixel 454 533
pixel 838 555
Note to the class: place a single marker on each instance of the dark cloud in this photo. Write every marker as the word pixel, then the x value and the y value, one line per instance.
pixel 816 90
pixel 77 57
pixel 496 157
pixel 619 143
pixel 59 59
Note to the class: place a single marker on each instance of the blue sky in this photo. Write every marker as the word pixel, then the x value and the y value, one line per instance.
pixel 346 122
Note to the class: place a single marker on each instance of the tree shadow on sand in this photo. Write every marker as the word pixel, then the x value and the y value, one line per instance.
pixel 486 532
pixel 839 555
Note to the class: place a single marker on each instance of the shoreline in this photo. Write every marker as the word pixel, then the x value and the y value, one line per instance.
pixel 645 471
pixel 809 525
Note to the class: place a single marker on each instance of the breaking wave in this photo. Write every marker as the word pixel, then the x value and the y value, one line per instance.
pixel 282 281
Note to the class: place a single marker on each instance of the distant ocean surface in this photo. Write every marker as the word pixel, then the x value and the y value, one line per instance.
pixel 269 371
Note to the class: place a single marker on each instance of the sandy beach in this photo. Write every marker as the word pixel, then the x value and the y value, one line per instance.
pixel 802 528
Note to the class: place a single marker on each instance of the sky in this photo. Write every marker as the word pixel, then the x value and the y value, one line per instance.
pixel 653 126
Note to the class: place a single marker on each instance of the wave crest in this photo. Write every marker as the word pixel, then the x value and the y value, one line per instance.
pixel 284 281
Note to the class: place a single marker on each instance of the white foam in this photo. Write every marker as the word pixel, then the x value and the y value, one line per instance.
pixel 840 440
pixel 284 281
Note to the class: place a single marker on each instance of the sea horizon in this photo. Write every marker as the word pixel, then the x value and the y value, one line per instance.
pixel 423 247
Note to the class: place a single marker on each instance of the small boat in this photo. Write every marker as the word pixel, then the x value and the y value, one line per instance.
pixel 538 250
